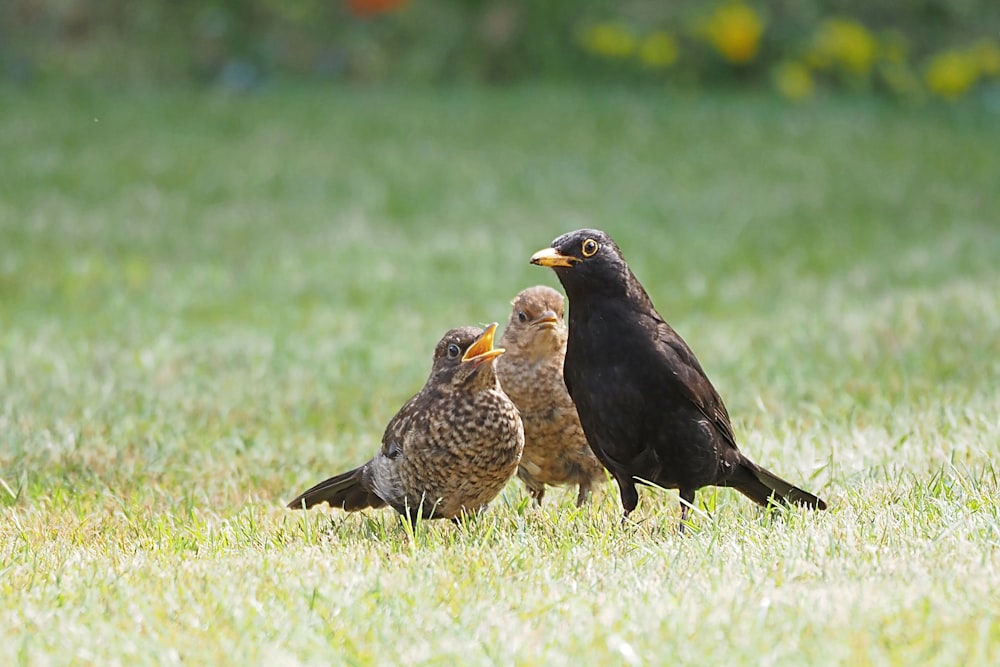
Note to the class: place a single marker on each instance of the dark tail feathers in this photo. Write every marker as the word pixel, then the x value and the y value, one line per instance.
pixel 759 485
pixel 349 491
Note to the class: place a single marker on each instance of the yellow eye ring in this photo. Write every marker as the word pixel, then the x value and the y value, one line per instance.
pixel 589 248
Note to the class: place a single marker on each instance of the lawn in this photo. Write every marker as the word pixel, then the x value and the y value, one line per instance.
pixel 210 302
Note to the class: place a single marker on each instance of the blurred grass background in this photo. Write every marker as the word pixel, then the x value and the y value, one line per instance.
pixel 260 270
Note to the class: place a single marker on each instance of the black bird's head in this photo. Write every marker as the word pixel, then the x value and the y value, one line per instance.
pixel 586 260
pixel 464 359
pixel 536 321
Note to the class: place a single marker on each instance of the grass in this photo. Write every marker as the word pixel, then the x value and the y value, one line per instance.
pixel 208 303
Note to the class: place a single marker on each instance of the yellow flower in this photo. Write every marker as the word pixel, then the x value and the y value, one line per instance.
pixel 734 30
pixel 845 43
pixel 658 50
pixel 611 40
pixel 951 74
pixel 794 81
pixel 987 55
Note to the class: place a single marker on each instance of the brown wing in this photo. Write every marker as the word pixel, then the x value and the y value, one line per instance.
pixel 409 418
pixel 694 384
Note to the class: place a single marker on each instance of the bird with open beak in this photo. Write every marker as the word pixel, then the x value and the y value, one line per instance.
pixel 531 372
pixel 449 450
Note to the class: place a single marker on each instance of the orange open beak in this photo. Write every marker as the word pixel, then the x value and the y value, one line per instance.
pixel 552 257
pixel 482 350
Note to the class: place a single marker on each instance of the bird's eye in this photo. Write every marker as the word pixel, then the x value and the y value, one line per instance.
pixel 521 317
pixel 453 350
pixel 589 247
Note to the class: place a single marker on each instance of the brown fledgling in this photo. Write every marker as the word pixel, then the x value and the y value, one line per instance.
pixel 649 411
pixel 449 450
pixel 531 372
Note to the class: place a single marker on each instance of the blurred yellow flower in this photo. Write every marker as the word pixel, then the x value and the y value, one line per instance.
pixel 846 44
pixel 611 40
pixel 951 74
pixel 987 55
pixel 658 50
pixel 794 80
pixel 735 30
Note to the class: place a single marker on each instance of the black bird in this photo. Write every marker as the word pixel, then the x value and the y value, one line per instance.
pixel 649 411
pixel 449 450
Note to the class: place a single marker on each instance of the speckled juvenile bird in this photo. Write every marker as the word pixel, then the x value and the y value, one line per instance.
pixel 449 450
pixel 531 372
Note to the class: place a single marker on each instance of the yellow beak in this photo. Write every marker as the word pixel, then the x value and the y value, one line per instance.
pixel 552 257
pixel 482 350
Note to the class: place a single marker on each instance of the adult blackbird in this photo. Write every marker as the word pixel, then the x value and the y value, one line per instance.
pixel 531 372
pixel 449 450
pixel 648 409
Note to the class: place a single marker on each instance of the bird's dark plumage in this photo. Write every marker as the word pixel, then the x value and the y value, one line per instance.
pixel 449 450
pixel 531 372
pixel 649 411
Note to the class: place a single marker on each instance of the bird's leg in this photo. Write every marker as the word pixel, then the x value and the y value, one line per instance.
pixel 687 501
pixel 584 493
pixel 630 498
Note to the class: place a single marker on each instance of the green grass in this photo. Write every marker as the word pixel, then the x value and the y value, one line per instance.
pixel 208 303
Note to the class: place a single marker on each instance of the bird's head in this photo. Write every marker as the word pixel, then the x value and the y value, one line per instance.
pixel 587 259
pixel 464 357
pixel 536 321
